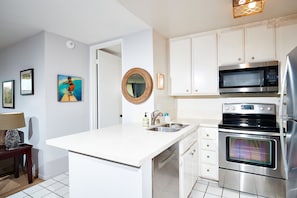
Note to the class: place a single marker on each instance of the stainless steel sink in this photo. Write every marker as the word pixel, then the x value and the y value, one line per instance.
pixel 168 127
pixel 163 129
pixel 175 125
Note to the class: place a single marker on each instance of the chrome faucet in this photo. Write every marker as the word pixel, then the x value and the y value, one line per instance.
pixel 154 117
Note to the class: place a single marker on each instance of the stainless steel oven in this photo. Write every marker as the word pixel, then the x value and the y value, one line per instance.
pixel 250 158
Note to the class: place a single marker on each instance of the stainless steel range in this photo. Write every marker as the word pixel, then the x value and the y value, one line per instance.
pixel 250 158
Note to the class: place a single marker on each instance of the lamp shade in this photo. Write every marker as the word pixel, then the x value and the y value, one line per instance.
pixel 247 7
pixel 12 120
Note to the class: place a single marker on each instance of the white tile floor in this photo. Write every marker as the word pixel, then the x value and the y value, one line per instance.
pixel 59 187
pixel 52 188
pixel 210 189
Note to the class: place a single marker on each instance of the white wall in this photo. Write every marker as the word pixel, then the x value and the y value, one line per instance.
pixel 137 52
pixel 45 116
pixel 24 55
pixel 147 50
pixel 163 101
pixel 63 118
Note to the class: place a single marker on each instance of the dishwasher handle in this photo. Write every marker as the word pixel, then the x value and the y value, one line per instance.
pixel 165 161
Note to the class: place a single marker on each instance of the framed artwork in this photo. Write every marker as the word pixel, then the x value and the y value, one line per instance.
pixel 69 88
pixel 27 82
pixel 8 94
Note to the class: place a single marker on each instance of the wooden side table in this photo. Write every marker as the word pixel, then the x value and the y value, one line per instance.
pixel 16 153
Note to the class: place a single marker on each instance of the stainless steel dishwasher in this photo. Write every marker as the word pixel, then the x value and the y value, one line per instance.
pixel 166 173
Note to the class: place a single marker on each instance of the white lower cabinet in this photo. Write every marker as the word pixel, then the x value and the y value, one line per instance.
pixel 188 169
pixel 104 176
pixel 208 153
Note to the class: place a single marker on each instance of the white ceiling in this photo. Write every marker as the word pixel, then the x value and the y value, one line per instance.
pixel 87 21
pixel 181 17
pixel 94 21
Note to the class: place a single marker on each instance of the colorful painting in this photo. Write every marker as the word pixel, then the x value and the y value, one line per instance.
pixel 69 88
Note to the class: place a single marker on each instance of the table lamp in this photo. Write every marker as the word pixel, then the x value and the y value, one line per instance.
pixel 10 122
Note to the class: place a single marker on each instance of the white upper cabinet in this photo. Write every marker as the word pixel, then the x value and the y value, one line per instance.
pixel 250 43
pixel 286 38
pixel 193 65
pixel 180 66
pixel 204 64
pixel 231 46
pixel 260 42
pixel 194 59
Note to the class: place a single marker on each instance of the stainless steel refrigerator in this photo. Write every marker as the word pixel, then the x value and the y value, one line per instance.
pixel 288 120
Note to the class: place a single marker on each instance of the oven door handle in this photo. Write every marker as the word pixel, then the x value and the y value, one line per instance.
pixel 251 132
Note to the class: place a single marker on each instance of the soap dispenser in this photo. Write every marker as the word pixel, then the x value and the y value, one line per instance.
pixel 145 120
pixel 167 117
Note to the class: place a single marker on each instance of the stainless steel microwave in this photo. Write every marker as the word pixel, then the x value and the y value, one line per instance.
pixel 260 77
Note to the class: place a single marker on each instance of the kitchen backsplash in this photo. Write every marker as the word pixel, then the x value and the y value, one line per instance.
pixel 211 108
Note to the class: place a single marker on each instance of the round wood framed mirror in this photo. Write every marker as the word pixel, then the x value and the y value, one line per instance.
pixel 137 85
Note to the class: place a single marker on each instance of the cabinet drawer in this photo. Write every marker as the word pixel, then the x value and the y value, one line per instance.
pixel 209 171
pixel 209 157
pixel 209 133
pixel 208 145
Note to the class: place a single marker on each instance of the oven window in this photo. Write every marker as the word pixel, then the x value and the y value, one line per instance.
pixel 259 152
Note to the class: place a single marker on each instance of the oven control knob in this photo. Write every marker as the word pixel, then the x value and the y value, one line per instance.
pixel 261 108
pixel 269 108
pixel 233 108
pixel 227 108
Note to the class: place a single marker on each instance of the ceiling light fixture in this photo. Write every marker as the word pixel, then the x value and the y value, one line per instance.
pixel 247 7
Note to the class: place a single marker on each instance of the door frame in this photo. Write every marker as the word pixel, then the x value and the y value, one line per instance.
pixel 94 79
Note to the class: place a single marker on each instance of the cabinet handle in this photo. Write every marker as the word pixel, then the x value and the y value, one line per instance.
pixel 253 58
pixel 187 90
pixel 207 170
pixel 239 59
pixel 207 145
pixel 196 90
pixel 207 156
pixel 207 135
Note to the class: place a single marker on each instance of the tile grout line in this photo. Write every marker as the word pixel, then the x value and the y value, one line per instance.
pixel 46 188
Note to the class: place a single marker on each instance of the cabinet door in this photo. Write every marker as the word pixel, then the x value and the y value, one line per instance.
pixel 180 66
pixel 195 163
pixel 231 46
pixel 286 40
pixel 186 174
pixel 204 65
pixel 260 42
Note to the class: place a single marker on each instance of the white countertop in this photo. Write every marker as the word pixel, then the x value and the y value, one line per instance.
pixel 127 144
pixel 202 122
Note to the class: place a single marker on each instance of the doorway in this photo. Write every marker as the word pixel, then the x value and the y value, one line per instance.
pixel 109 95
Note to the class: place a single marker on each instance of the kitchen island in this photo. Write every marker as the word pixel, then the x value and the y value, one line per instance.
pixel 115 161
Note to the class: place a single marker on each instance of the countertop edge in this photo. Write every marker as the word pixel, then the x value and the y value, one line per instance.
pixel 71 143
